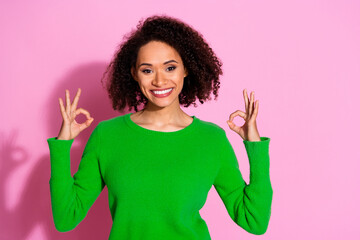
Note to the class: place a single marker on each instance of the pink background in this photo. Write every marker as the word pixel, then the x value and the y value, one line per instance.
pixel 302 59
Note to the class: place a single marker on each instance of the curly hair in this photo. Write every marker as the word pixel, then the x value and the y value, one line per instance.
pixel 202 65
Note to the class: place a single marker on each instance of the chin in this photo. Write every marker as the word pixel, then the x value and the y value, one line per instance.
pixel 162 103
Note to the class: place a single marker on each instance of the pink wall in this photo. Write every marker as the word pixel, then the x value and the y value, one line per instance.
pixel 302 59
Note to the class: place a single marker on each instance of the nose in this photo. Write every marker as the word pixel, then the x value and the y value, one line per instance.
pixel 159 79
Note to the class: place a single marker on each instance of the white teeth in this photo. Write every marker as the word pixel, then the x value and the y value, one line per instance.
pixel 163 92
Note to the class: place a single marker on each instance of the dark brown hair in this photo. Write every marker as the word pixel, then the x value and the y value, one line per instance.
pixel 199 59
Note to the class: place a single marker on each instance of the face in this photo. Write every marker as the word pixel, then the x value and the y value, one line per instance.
pixel 160 74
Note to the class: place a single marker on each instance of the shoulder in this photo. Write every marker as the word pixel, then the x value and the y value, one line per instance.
pixel 210 128
pixel 112 121
pixel 110 125
pixel 214 136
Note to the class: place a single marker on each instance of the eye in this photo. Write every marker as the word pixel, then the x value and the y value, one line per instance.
pixel 146 71
pixel 172 68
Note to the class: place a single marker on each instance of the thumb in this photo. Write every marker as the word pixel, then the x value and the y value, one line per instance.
pixel 86 124
pixel 89 121
pixel 231 124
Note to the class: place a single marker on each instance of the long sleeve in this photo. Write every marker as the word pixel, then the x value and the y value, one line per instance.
pixel 249 205
pixel 72 197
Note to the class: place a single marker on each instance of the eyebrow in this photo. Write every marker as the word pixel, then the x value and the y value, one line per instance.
pixel 148 64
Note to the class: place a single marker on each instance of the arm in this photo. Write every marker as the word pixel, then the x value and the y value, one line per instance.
pixel 249 205
pixel 72 197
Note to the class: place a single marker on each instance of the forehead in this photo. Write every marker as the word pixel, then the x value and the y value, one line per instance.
pixel 157 52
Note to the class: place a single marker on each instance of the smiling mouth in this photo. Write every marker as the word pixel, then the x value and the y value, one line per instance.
pixel 162 93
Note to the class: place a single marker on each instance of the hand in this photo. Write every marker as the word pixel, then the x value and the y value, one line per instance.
pixel 248 131
pixel 70 128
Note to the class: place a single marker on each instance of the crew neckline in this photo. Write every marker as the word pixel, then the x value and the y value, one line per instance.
pixel 143 130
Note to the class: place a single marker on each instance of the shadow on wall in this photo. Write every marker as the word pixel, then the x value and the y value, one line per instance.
pixel 34 207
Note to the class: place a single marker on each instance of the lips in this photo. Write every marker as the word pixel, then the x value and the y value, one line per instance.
pixel 162 92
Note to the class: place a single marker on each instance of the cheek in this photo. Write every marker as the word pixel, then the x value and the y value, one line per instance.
pixel 144 86
pixel 181 80
pixel 143 81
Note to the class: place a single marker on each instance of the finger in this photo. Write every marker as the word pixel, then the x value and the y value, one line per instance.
pixel 251 105
pixel 62 109
pixel 237 113
pixel 76 100
pixel 83 111
pixel 67 93
pixel 256 110
pixel 246 100
pixel 86 124
pixel 233 126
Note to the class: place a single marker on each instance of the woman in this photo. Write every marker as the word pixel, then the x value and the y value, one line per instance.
pixel 159 163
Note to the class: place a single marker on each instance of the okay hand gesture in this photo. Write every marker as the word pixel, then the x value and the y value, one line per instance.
pixel 70 128
pixel 248 131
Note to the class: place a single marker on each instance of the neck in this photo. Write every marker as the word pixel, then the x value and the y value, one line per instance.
pixel 162 115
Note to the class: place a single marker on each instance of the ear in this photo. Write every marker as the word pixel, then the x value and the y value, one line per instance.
pixel 133 74
pixel 186 72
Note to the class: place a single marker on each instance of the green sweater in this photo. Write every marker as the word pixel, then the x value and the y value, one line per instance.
pixel 158 181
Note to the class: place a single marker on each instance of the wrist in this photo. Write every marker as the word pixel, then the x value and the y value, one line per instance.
pixel 253 139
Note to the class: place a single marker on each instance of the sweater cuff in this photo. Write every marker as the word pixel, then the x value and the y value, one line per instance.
pixel 60 157
pixel 259 159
